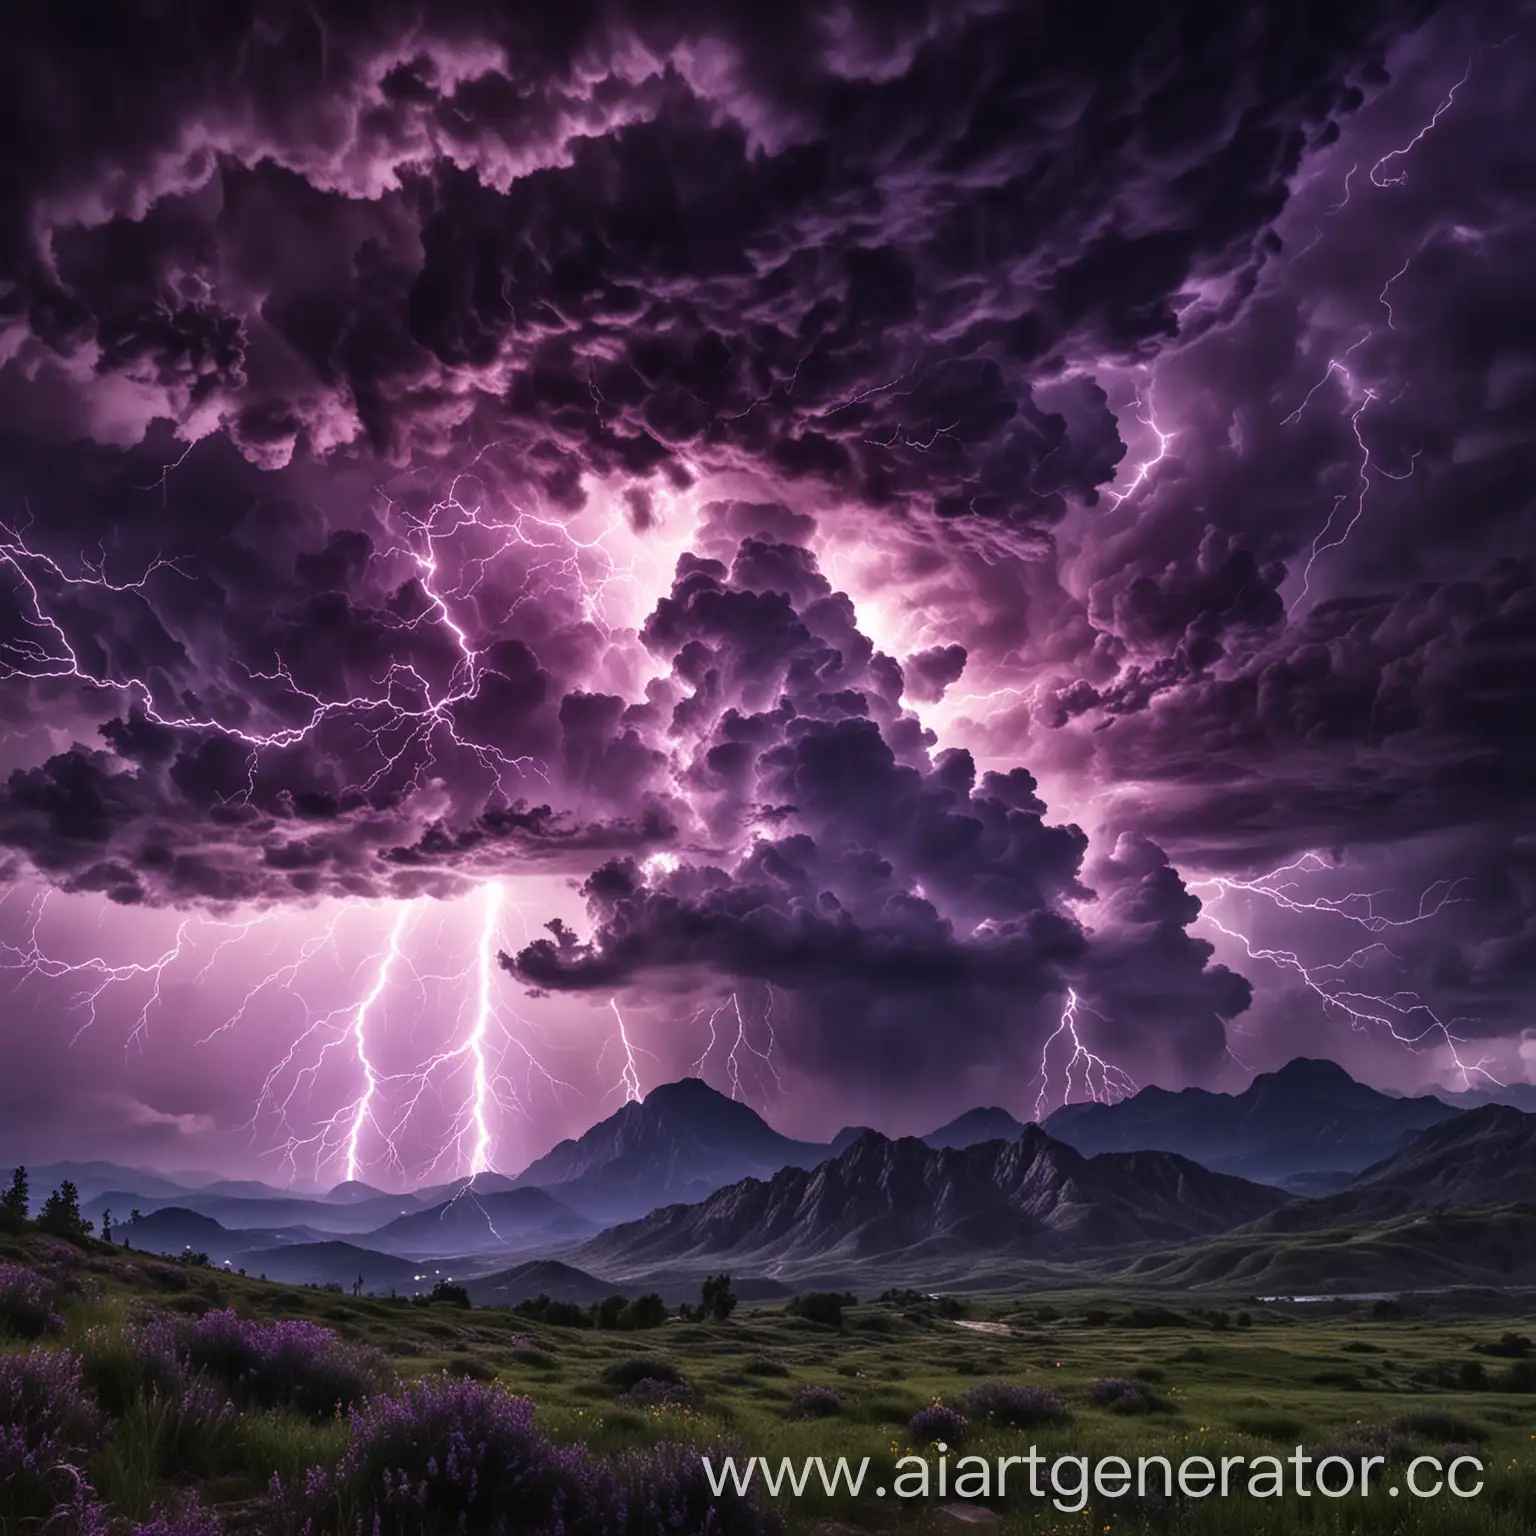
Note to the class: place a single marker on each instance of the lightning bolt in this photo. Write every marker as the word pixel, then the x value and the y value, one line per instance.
pixel 1390 171
pixel 1146 416
pixel 629 1077
pixel 1101 1081
pixel 406 719
pixel 363 1111
pixel 1402 1015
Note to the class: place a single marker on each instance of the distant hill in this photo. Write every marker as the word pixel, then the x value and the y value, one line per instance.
pixel 481 1183
pixel 245 1214
pixel 341 1263
pixel 974 1127
pixel 1423 1250
pixel 682 1142
pixel 546 1277
pixel 172 1229
pixel 1483 1157
pixel 1034 1197
pixel 94 1178
pixel 1310 1117
pixel 472 1223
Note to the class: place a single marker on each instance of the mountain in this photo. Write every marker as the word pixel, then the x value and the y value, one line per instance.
pixel 1484 1157
pixel 542 1277
pixel 1520 1095
pixel 884 1200
pixel 333 1262
pixel 681 1143
pixel 351 1192
pixel 1309 1117
pixel 173 1229
pixel 94 1178
pixel 241 1214
pixel 974 1127
pixel 480 1183
pixel 472 1223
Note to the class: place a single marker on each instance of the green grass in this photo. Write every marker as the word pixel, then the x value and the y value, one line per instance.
pixel 1294 1376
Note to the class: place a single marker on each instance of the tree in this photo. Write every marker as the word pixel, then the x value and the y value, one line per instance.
pixel 135 1216
pixel 15 1204
pixel 106 1225
pixel 648 1311
pixel 717 1300
pixel 61 1212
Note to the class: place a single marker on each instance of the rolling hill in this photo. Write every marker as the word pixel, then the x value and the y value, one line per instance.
pixel 337 1263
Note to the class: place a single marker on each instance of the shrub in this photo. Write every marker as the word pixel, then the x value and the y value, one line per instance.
pixel 936 1423
pixel 451 1456
pixel 1122 1395
pixel 825 1307
pixel 1520 1377
pixel 625 1374
pixel 649 1393
pixel 1015 1406
pixel 813 1402
pixel 1510 1346
pixel 46 1421
pixel 266 1365
pixel 763 1365
pixel 558 1314
pixel 26 1303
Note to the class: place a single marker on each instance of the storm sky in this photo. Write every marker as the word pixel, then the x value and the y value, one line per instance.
pixel 895 555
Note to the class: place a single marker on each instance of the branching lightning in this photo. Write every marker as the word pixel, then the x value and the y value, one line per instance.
pixel 1099 1080
pixel 1403 1015
pixel 407 719
pixel 1148 418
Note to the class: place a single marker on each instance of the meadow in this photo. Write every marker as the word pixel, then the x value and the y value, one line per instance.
pixel 180 1420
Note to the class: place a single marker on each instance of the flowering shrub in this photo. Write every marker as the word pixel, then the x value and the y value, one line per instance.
pixel 46 1422
pixel 1017 1407
pixel 26 1303
pixel 648 1393
pixel 190 1520
pixel 812 1402
pixel 458 1456
pixel 937 1423
pixel 265 1365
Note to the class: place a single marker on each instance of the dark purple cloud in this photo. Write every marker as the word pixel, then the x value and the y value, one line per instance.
pixel 893 503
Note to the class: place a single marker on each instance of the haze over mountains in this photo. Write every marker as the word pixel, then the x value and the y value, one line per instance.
pixel 1189 1183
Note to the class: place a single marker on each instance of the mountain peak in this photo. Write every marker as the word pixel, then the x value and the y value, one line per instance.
pixel 1317 1070
pixel 686 1090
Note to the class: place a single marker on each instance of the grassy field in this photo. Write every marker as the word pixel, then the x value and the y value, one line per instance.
pixel 1211 1378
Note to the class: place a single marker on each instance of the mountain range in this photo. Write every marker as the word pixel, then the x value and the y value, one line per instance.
pixel 1033 1197
pixel 688 1178
pixel 1310 1117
